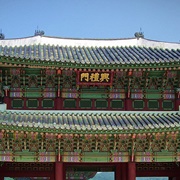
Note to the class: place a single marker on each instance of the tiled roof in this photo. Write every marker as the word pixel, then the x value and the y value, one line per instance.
pixel 92 55
pixel 83 122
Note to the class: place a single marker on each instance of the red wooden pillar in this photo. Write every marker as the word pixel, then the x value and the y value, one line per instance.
pixel 128 104
pixel 124 171
pixel 93 104
pixel 177 104
pixel 177 178
pixel 24 103
pixel 58 103
pixel 77 103
pixel 118 172
pixel 7 102
pixel 59 171
pixel 131 171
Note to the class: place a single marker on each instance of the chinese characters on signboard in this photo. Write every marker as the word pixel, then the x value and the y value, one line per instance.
pixel 101 78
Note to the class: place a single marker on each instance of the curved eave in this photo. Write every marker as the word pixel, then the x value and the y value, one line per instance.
pixel 14 61
pixel 91 122
pixel 86 131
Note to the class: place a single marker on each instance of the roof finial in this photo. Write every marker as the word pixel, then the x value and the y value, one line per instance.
pixel 39 32
pixel 139 34
pixel 2 36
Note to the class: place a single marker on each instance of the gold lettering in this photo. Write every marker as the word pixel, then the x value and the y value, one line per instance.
pixel 94 77
pixel 104 77
pixel 85 76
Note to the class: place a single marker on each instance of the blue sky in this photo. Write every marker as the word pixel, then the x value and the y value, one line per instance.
pixel 158 19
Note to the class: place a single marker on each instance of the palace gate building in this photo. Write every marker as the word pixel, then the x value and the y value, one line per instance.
pixel 72 107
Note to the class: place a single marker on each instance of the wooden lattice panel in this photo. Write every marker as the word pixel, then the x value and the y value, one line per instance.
pixel 155 166
pixel 29 166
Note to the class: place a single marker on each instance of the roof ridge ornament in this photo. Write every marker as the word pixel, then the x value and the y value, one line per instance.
pixel 2 36
pixel 139 34
pixel 39 32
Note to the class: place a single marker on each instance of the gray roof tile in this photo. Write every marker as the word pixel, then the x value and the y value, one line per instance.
pixel 97 55
pixel 93 122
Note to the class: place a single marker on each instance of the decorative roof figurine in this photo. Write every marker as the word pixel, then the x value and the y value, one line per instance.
pixel 39 33
pixel 139 35
pixel 2 36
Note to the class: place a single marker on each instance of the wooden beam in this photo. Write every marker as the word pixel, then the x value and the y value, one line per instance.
pixel 59 171
pixel 118 172
pixel 132 171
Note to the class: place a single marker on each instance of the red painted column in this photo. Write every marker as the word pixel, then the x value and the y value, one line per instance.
pixel 8 102
pixel 177 104
pixel 128 104
pixel 131 171
pixel 124 171
pixel 58 103
pixel 118 172
pixel 59 171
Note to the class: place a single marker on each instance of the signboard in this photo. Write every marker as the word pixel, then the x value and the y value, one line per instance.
pixel 94 78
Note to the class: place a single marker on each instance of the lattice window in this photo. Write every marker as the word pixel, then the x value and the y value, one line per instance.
pixel 117 104
pixel 138 104
pixel 47 103
pixel 17 103
pixel 85 103
pixel 153 104
pixel 101 104
pixel 69 103
pixel 167 105
pixel 32 103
